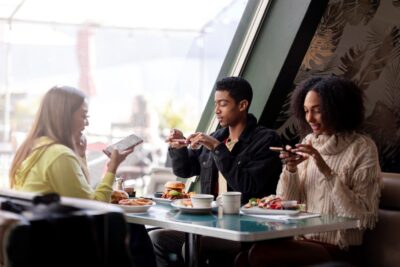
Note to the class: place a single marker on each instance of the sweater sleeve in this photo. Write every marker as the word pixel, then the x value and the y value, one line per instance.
pixel 356 193
pixel 289 185
pixel 65 176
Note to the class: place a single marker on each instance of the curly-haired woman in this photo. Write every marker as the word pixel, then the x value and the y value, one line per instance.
pixel 335 172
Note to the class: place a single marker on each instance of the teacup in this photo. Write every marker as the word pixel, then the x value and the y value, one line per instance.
pixel 230 202
pixel 202 200
pixel 290 205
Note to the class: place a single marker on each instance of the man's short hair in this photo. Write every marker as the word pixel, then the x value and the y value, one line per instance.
pixel 239 88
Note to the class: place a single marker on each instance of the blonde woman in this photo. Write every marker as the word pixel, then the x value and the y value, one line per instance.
pixel 50 158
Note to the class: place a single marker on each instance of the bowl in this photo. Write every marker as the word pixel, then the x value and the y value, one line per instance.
pixel 202 200
pixel 290 205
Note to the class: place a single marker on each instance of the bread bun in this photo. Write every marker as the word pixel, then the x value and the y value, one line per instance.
pixel 174 190
pixel 118 195
pixel 175 185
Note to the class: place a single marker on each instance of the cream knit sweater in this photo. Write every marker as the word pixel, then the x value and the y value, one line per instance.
pixel 352 191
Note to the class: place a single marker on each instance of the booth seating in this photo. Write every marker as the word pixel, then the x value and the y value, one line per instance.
pixel 381 246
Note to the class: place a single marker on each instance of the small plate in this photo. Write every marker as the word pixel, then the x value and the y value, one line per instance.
pixel 160 200
pixel 257 210
pixel 177 204
pixel 136 209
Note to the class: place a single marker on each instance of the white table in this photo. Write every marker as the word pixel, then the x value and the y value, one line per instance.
pixel 240 228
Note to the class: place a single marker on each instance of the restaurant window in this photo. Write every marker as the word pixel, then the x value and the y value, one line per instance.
pixel 146 67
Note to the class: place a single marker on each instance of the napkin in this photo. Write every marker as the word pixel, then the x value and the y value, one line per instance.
pixel 300 216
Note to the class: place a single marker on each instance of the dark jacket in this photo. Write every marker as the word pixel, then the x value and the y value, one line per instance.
pixel 251 167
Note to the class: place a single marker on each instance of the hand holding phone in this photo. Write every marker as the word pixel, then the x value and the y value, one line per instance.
pixel 279 149
pixel 180 141
pixel 124 144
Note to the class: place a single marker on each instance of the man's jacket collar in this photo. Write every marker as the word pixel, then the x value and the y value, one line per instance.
pixel 251 123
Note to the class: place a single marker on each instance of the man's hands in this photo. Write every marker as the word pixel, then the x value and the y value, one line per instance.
pixel 196 140
pixel 176 139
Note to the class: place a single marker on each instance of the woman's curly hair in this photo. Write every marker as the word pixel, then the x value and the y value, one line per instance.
pixel 342 104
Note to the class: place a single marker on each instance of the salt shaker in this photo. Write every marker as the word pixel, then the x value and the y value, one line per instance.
pixel 119 184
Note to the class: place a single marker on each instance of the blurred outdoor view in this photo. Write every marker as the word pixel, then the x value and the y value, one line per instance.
pixel 146 66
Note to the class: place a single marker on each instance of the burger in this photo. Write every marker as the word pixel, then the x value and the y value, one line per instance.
pixel 174 190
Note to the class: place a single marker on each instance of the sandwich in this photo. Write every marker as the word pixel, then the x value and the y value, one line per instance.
pixel 174 190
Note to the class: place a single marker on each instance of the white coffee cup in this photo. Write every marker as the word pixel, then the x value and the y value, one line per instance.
pixel 202 200
pixel 230 202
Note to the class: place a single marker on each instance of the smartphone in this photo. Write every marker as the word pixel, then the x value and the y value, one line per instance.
pixel 279 149
pixel 126 143
pixel 181 141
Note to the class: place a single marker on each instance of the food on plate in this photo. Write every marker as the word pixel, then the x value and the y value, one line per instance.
pixel 118 195
pixel 187 203
pixel 175 190
pixel 135 202
pixel 272 202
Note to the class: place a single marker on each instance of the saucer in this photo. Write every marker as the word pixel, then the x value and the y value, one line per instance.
pixel 164 201
pixel 136 209
pixel 177 204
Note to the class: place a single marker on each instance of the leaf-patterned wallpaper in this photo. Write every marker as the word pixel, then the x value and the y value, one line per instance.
pixel 359 40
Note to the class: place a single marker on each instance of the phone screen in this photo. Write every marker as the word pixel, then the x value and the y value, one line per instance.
pixel 279 149
pixel 181 141
pixel 126 143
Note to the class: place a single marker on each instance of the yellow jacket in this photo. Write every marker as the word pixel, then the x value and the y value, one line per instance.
pixel 56 168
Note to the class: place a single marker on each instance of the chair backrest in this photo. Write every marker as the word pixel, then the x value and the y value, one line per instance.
pixel 382 244
pixel 70 232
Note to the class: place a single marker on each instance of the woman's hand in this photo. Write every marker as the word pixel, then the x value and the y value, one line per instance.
pixel 290 158
pixel 80 145
pixel 116 158
pixel 307 150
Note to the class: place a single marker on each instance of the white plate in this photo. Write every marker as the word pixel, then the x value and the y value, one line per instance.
pixel 257 210
pixel 136 209
pixel 177 204
pixel 160 200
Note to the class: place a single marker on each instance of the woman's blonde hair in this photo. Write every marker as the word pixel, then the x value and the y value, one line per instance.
pixel 54 120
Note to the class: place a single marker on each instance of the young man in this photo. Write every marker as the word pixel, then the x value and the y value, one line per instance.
pixel 236 157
